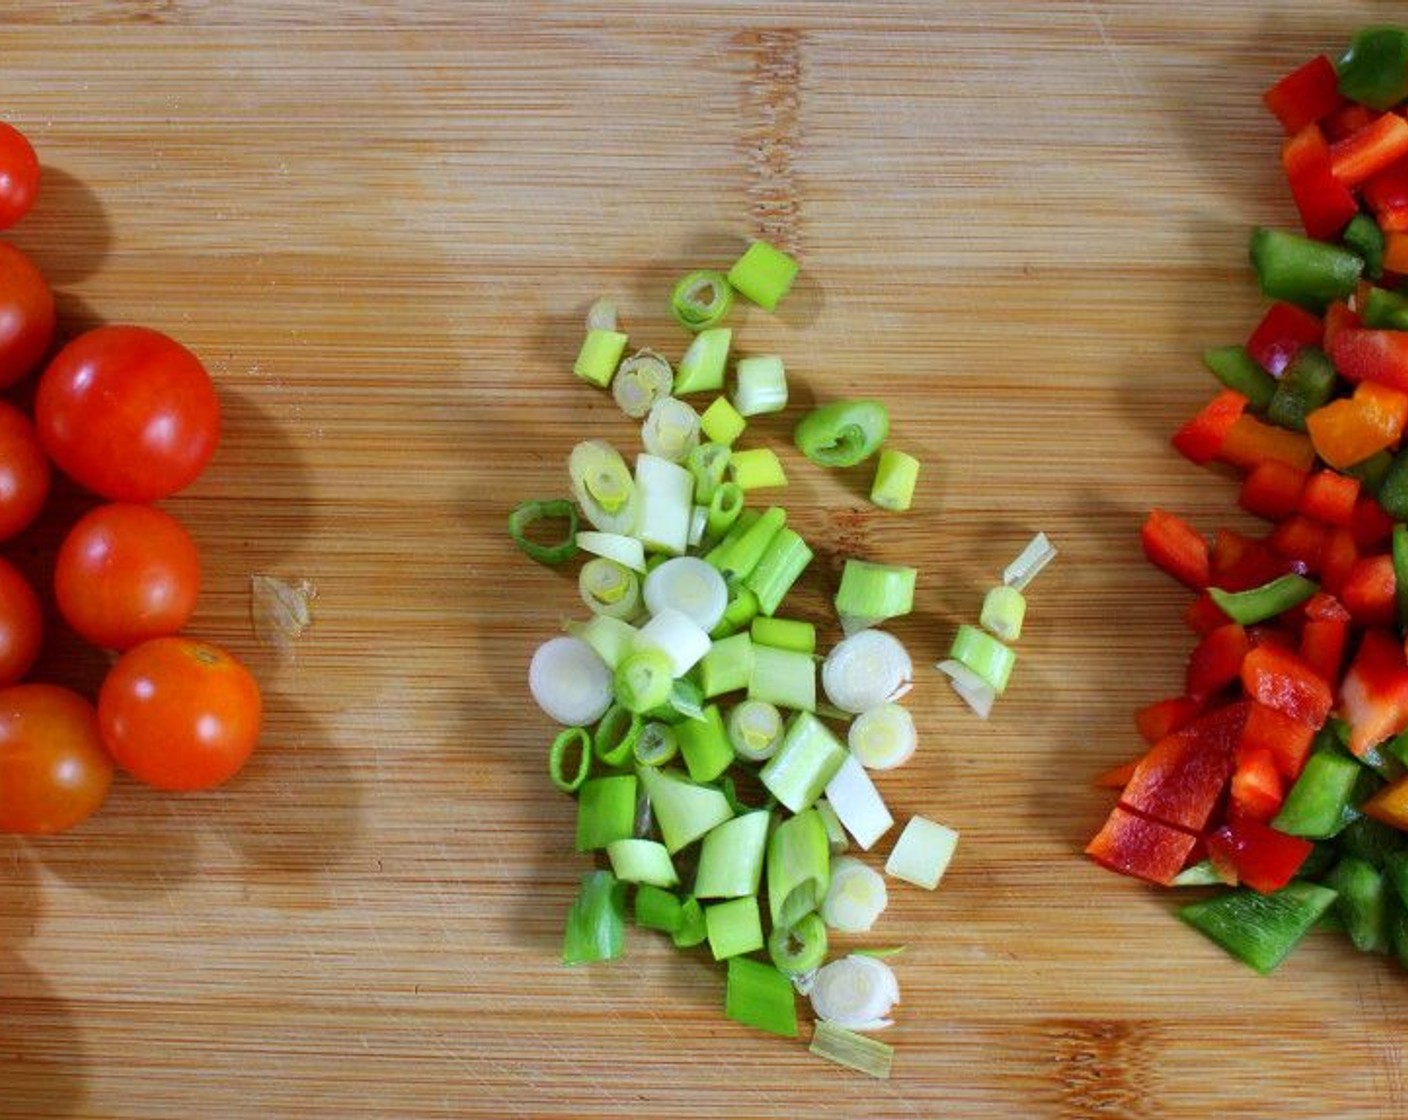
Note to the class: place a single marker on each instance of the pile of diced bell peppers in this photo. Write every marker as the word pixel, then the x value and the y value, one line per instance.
pixel 1280 774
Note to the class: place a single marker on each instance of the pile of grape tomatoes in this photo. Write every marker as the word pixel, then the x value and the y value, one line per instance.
pixel 130 415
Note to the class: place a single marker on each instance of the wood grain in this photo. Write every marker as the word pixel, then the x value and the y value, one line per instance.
pixel 380 225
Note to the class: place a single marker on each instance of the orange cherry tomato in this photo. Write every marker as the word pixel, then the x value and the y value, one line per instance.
pixel 53 769
pixel 179 714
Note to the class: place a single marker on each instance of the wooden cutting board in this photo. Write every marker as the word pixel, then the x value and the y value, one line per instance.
pixel 380 225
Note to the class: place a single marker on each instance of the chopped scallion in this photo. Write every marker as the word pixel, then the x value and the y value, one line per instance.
pixel 701 369
pixel 612 638
pixel 721 422
pixel 854 1051
pixel 614 740
pixel 643 678
pixel 780 566
pixel 603 487
pixel 1038 553
pixel 922 853
pixel 665 491
pixel 856 992
pixel 896 476
pixel 708 463
pixel 671 431
pixel 785 633
pixel 609 588
pixel 842 433
pixel 701 299
pixel 562 746
pixel 599 356
pixel 735 927
pixel 692 930
pixel 596 922
pixel 606 811
pixel 808 758
pixel 656 744
pixel 642 861
pixel 657 908
pixel 760 385
pixel 872 592
pixel 601 315
pixel 684 810
pixel 727 666
pixel 641 381
pixel 798 867
pixel 1004 609
pixel 569 681
pixel 682 639
pixel 865 670
pixel 758 468
pixel 741 610
pixel 855 898
pixel 984 655
pixel 757 995
pixel 738 553
pixel 763 274
pixel 783 677
pixel 857 803
pixel 627 551
pixel 689 585
pixel 554 509
pixel 800 947
pixel 971 688
pixel 704 745
pixel 731 857
pixel 724 508
pixel 883 738
pixel 755 728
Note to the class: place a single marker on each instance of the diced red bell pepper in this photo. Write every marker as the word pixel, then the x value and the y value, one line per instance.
pixel 1146 849
pixel 1280 679
pixel 1388 189
pixel 1370 593
pixel 1372 526
pixel 1322 607
pixel 1272 489
pixel 1394 220
pixel 1175 546
pixel 1337 559
pixel 1286 741
pixel 1117 777
pixel 1369 150
pixel 1201 438
pixel 1301 541
pixel 1322 645
pixel 1347 120
pixel 1369 354
pixel 1305 95
pixel 1374 692
pixel 1237 562
pixel 1329 497
pixel 1181 778
pixel 1216 661
pixel 1283 330
pixel 1261 857
pixel 1203 614
pixel 1257 790
pixel 1164 717
pixel 1338 316
pixel 1325 204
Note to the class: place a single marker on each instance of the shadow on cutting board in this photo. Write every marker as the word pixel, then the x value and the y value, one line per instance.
pixel 41 1055
pixel 67 233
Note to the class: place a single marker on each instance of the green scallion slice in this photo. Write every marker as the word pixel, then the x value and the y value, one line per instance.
pixel 562 746
pixel 763 274
pixel 596 922
pixel 701 299
pixel 526 514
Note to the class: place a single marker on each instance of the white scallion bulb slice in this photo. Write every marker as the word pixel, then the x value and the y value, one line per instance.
pixel 627 551
pixel 671 430
pixel 868 669
pixel 856 992
pixel 609 588
pixel 603 487
pixel 883 737
pixel 975 692
pixel 601 316
pixel 679 637
pixel 856 896
pixel 690 585
pixel 641 381
pixel 698 525
pixel 1038 553
pixel 755 729
pixel 857 803
pixel 569 681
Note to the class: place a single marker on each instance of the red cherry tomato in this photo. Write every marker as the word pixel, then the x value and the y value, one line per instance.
pixel 19 175
pixel 26 315
pixel 21 625
pixel 128 413
pixel 126 573
pixel 53 769
pixel 179 714
pixel 24 472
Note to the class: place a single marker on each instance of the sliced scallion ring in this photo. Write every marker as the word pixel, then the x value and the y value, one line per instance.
pixel 609 588
pixel 883 738
pixel 671 429
pixel 569 681
pixel 800 947
pixel 527 513
pixel 856 992
pixel 856 896
pixel 656 744
pixel 627 551
pixel 755 728
pixel 689 585
pixel 701 299
pixel 868 669
pixel 562 746
pixel 603 486
pixel 641 380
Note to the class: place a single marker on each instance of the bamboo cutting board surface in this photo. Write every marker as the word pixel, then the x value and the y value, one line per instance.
pixel 380 226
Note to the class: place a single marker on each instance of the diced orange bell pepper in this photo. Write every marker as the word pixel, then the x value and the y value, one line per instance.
pixel 1390 804
pixel 1200 439
pixel 1350 429
pixel 1396 251
pixel 1250 441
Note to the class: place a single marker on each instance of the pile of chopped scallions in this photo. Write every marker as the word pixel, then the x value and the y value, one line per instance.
pixel 722 765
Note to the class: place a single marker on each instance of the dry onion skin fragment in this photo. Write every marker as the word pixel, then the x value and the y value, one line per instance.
pixel 280 610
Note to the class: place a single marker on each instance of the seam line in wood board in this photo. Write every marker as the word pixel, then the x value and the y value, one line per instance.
pixel 771 114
